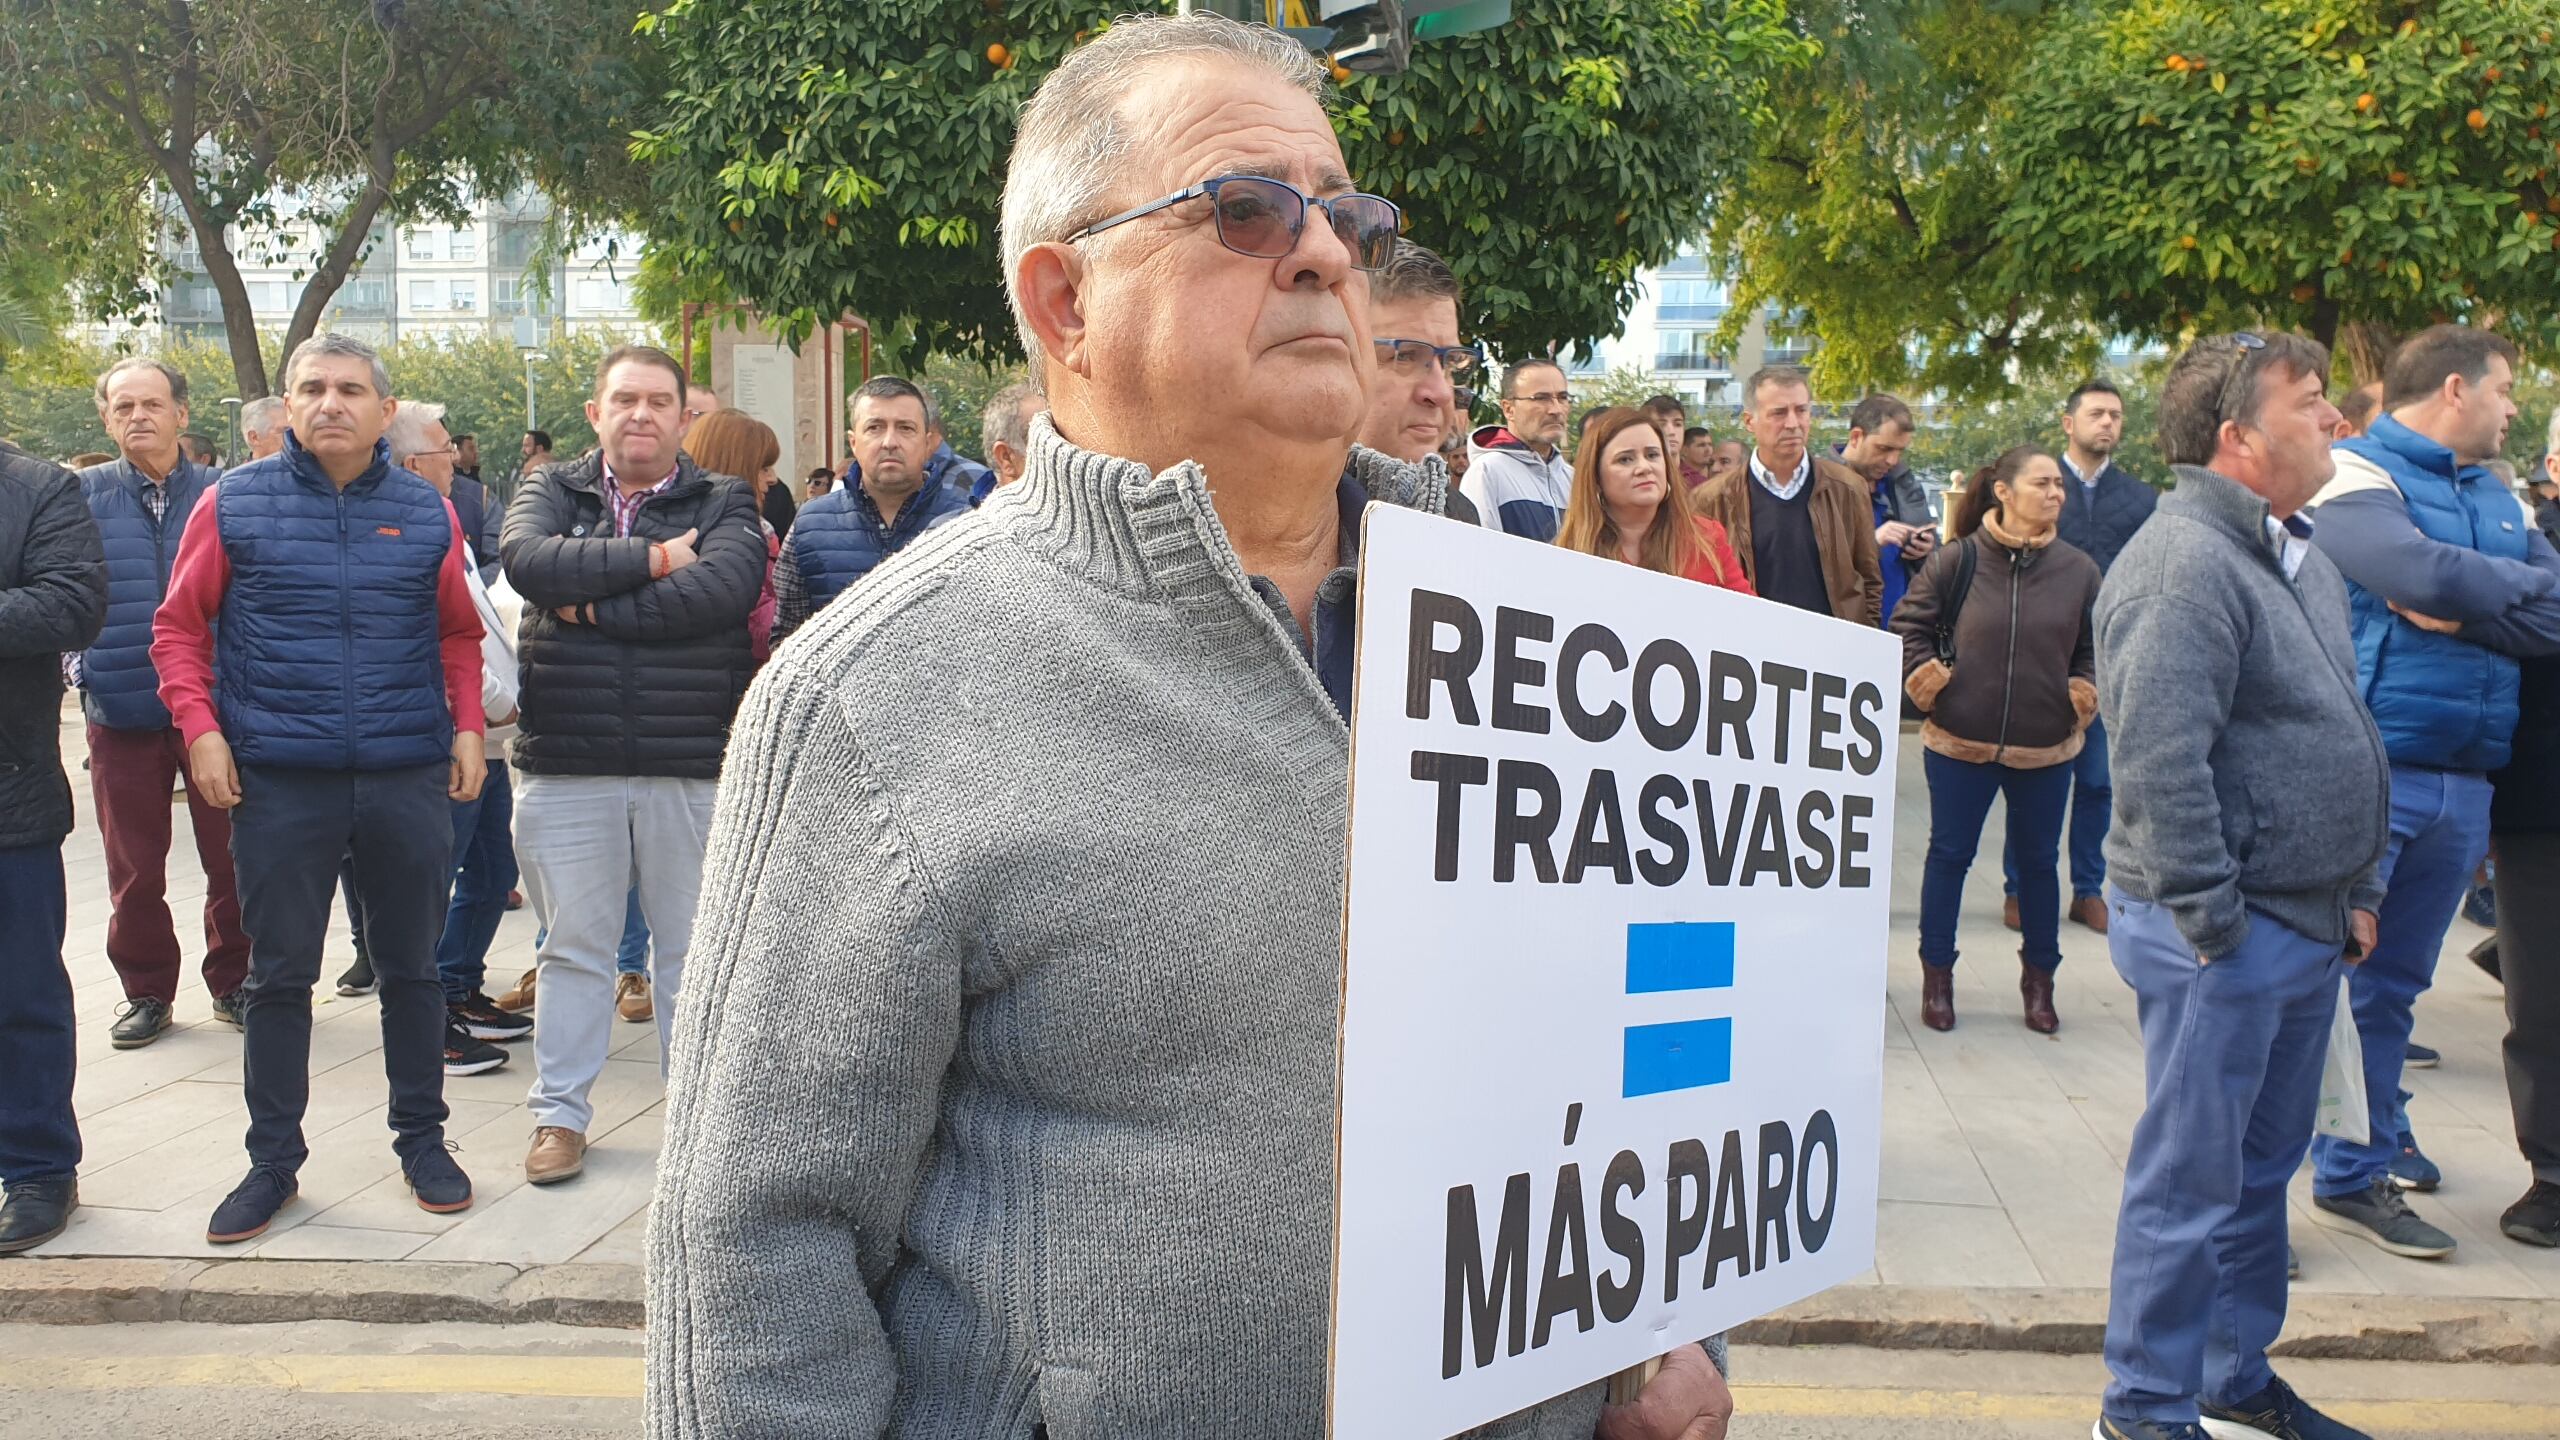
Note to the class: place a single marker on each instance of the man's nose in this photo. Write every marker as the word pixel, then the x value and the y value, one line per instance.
pixel 1320 260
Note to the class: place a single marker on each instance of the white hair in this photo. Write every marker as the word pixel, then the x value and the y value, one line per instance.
pixel 1004 419
pixel 408 429
pixel 1071 148
pixel 262 416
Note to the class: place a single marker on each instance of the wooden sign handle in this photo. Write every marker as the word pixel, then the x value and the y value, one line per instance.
pixel 1629 1383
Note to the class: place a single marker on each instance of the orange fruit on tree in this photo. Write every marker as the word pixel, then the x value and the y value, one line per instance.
pixel 831 219
pixel 2186 242
pixel 2491 74
pixel 2400 178
pixel 2305 293
pixel 998 55
pixel 1341 74
pixel 2364 103
pixel 1395 137
pixel 2176 62
pixel 2478 120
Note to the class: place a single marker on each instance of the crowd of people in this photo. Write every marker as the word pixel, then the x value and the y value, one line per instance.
pixel 1000 1055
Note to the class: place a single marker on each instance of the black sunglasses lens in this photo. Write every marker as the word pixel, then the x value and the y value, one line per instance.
pixel 1259 217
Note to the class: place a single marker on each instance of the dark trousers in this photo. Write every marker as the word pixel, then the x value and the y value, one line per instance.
pixel 1960 795
pixel 484 871
pixel 2529 959
pixel 289 835
pixel 2093 806
pixel 130 775
pixel 38 1136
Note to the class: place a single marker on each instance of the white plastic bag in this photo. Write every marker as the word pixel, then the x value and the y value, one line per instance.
pixel 2342 1102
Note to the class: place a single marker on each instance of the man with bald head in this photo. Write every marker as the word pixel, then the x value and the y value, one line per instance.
pixel 1008 1117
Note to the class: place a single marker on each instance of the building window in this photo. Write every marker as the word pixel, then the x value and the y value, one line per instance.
pixel 1692 302
pixel 1586 361
pixel 364 295
pixel 422 295
pixel 466 295
pixel 1690 351
pixel 421 245
pixel 464 244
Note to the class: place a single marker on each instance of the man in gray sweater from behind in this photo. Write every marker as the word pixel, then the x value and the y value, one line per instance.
pixel 2252 800
pixel 1006 1106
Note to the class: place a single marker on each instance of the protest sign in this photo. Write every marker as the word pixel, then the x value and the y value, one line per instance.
pixel 1614 950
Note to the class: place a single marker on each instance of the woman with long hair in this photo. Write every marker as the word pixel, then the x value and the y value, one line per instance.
pixel 1625 507
pixel 1999 653
pixel 738 445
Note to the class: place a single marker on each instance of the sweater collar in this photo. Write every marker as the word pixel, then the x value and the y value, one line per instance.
pixel 2001 537
pixel 2233 508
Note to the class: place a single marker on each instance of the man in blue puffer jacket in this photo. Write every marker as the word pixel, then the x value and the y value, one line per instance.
pixel 2448 581
pixel 888 498
pixel 320 652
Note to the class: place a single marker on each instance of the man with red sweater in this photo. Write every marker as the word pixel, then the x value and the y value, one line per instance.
pixel 320 654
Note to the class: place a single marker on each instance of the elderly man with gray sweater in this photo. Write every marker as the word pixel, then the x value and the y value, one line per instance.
pixel 2252 801
pixel 1004 1106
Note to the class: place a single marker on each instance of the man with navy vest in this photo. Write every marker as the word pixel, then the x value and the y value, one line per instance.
pixel 262 426
pixel 637 570
pixel 320 651
pixel 2102 506
pixel 142 500
pixel 887 500
pixel 2449 581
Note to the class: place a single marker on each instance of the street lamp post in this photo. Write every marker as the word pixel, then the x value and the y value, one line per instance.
pixel 231 416
pixel 531 358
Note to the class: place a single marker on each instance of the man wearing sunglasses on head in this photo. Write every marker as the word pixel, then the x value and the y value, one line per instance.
pixel 1521 476
pixel 1012 1108
pixel 1422 390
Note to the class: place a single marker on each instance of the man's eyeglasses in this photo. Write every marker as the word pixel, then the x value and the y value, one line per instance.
pixel 1263 218
pixel 1542 397
pixel 1458 362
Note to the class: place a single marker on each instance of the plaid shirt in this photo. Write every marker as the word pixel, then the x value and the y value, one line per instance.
pixel 626 508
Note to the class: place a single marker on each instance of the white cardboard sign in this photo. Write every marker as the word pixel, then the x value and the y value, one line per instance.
pixel 1614 970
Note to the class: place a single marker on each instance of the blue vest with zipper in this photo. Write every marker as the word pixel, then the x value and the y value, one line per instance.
pixel 839 537
pixel 119 688
pixel 2440 701
pixel 327 656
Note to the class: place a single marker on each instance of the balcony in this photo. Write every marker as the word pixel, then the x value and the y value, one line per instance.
pixel 1670 314
pixel 1691 362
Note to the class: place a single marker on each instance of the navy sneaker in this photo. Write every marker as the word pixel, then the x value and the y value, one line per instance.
pixel 439 1184
pixel 2480 906
pixel 2411 1170
pixel 251 1206
pixel 2111 1428
pixel 2378 1215
pixel 2275 1413
pixel 2421 1057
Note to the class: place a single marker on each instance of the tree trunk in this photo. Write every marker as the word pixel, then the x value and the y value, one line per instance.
pixel 239 323
pixel 331 273
pixel 2368 346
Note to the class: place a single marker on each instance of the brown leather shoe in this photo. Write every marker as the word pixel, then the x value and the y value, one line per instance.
pixel 2009 913
pixel 1938 996
pixel 2091 911
pixel 557 1155
pixel 2036 988
pixel 520 999
pixel 631 999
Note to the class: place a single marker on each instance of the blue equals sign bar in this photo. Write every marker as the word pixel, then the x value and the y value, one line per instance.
pixel 1682 1054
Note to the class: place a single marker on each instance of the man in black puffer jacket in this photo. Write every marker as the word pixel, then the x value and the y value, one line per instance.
pixel 638 570
pixel 53 597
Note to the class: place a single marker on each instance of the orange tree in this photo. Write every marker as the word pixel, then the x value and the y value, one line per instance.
pixel 815 157
pixel 2350 168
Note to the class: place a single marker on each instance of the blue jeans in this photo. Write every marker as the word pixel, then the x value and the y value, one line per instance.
pixel 2231 1056
pixel 1960 794
pixel 632 956
pixel 484 869
pixel 2093 803
pixel 38 1136
pixel 2439 831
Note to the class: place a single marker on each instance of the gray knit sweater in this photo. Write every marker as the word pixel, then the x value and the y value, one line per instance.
pixel 1003 1096
pixel 2248 776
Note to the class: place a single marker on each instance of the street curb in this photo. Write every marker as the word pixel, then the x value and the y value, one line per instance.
pixel 2051 1322
pixel 2074 1322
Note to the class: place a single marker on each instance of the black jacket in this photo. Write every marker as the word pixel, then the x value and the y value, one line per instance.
pixel 2099 525
pixel 650 687
pixel 2526 799
pixel 53 597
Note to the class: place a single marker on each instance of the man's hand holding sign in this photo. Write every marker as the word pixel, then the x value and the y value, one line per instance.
pixel 1614 977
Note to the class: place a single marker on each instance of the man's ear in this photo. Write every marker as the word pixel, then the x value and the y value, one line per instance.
pixel 1049 279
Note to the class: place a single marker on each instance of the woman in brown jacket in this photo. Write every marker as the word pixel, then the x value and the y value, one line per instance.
pixel 1998 652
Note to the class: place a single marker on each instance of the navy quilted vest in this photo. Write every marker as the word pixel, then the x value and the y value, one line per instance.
pixel 120 689
pixel 840 537
pixel 327 656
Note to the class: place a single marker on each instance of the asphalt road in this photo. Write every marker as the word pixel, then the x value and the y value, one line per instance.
pixel 331 1381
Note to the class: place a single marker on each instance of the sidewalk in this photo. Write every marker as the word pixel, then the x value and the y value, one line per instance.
pixel 2003 1154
